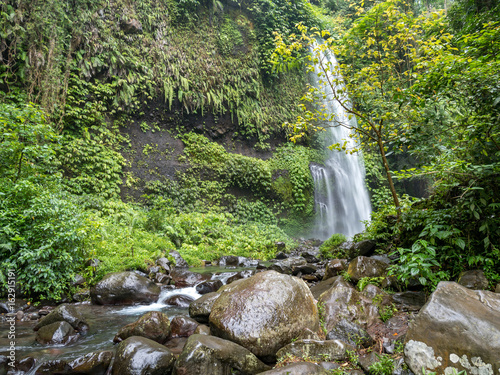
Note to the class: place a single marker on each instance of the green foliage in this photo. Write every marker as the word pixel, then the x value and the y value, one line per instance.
pixel 328 247
pixel 387 312
pixel 384 365
pixel 420 263
pixel 90 165
pixel 43 237
pixel 369 280
pixel 27 143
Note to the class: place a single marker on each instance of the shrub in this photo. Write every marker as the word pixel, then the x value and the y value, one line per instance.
pixel 329 246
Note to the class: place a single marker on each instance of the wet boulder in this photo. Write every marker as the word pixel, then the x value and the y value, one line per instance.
pixel 335 267
pixel 64 313
pixel 235 261
pixel 153 325
pixel 56 366
pixel 179 300
pixel 343 301
pixel 201 308
pixel 96 363
pixel 350 333
pixel 321 287
pixel 56 333
pixel 142 356
pixel 241 275
pixel 209 355
pixel 208 286
pixel 363 248
pixel 264 312
pixel 182 326
pixel 179 260
pixel 124 288
pixel 362 266
pixel 288 265
pixel 458 328
pixel 473 279
pixel 329 350
pixel 300 368
pixel 410 300
pixel 164 263
pixel 184 278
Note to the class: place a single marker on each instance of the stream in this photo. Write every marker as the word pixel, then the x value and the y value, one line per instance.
pixel 104 322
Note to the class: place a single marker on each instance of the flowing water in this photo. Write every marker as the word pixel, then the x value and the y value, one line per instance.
pixel 104 322
pixel 340 194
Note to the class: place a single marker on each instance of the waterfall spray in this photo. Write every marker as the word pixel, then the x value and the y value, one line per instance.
pixel 340 195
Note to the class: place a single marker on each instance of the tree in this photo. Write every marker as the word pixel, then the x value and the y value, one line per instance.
pixel 378 55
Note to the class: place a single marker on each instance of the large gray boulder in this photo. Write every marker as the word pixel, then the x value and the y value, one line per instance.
pixel 342 301
pixel 58 333
pixel 64 313
pixel 362 266
pixel 96 363
pixel 473 279
pixel 141 356
pixel 458 328
pixel 264 312
pixel 153 325
pixel 124 288
pixel 201 308
pixel 209 355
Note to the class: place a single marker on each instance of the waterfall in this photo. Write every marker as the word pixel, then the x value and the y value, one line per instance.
pixel 340 195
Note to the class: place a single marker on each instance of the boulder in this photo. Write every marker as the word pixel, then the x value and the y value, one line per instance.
pixel 184 278
pixel 350 333
pixel 202 329
pixel 208 286
pixel 179 260
pixel 64 313
pixel 329 350
pixel 335 267
pixel 164 263
pixel 363 248
pixel 153 325
pixel 473 279
pixel 321 287
pixel 58 333
pixel 301 368
pixel 311 256
pixel 306 269
pixel 201 308
pixel 458 328
pixel 96 363
pixel 56 366
pixel 209 355
pixel 264 312
pixel 410 300
pixel 288 265
pixel 180 300
pixel 141 356
pixel 366 267
pixel 497 289
pixel 124 288
pixel 241 275
pixel 182 326
pixel 343 301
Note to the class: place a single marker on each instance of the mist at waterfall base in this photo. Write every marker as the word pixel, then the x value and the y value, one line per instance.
pixel 341 199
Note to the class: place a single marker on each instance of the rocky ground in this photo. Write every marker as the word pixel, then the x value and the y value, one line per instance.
pixel 299 315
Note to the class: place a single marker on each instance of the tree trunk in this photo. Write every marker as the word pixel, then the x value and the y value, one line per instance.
pixel 389 177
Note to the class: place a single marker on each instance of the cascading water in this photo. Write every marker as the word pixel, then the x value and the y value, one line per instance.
pixel 340 195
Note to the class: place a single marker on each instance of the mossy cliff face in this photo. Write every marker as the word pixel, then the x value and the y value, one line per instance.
pixel 124 82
